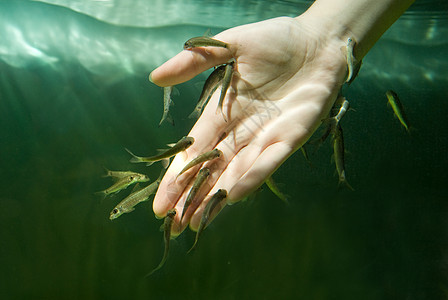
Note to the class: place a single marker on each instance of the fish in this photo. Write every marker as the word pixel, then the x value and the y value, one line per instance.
pixel 228 74
pixel 210 86
pixel 183 144
pixel 215 153
pixel 199 181
pixel 333 120
pixel 398 109
pixel 344 106
pixel 204 41
pixel 167 102
pixel 119 174
pixel 273 187
pixel 220 195
pixel 353 64
pixel 123 183
pixel 305 155
pixel 128 204
pixel 339 152
pixel 167 224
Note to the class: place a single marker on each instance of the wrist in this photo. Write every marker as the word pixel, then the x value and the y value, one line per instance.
pixel 362 20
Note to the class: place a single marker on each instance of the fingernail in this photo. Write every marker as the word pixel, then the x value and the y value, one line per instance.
pixel 150 77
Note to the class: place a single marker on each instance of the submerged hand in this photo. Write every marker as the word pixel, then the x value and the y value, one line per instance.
pixel 288 73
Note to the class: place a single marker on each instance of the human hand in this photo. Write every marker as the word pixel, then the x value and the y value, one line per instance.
pixel 288 73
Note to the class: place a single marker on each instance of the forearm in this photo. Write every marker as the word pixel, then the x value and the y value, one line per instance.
pixel 363 20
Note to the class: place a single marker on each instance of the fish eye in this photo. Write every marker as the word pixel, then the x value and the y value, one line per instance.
pixel 115 211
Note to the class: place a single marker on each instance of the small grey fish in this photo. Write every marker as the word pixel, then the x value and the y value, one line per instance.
pixel 344 106
pixel 180 146
pixel 123 183
pixel 204 41
pixel 339 152
pixel 353 64
pixel 167 224
pixel 199 181
pixel 119 174
pixel 398 109
pixel 128 204
pixel 338 110
pixel 228 74
pixel 167 102
pixel 274 188
pixel 220 195
pixel 215 153
pixel 210 86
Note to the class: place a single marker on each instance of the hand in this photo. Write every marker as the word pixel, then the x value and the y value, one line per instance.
pixel 287 76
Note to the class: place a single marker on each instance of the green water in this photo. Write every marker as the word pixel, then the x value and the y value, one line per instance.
pixel 62 121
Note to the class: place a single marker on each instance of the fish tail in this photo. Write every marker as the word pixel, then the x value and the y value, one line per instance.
pixel 168 118
pixel 103 194
pixel 195 242
pixel 154 270
pixel 220 110
pixel 165 163
pixel 343 180
pixel 135 158
pixel 195 114
pixel 108 174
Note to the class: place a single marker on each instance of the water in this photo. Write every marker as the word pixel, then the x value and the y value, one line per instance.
pixel 74 93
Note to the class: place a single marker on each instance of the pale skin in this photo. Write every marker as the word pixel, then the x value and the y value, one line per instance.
pixel 288 73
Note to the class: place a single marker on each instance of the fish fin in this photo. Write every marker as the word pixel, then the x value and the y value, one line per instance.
pixel 330 122
pixel 305 155
pixel 357 66
pixel 165 163
pixel 345 183
pixel 195 114
pixel 208 32
pixel 168 118
pixel 149 163
pixel 135 158
pixel 135 188
pixel 219 110
pixel 103 194
pixel 175 92
pixel 107 172
pixel 199 85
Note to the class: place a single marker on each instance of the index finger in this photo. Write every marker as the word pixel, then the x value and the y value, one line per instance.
pixel 187 64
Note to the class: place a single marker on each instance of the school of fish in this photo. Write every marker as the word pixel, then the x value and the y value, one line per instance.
pixel 222 77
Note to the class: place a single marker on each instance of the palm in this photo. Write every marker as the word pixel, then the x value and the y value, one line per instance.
pixel 284 85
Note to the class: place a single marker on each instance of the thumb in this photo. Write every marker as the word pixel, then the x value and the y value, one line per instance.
pixel 189 63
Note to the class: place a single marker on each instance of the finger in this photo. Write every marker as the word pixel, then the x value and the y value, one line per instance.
pixel 240 182
pixel 206 132
pixel 189 63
